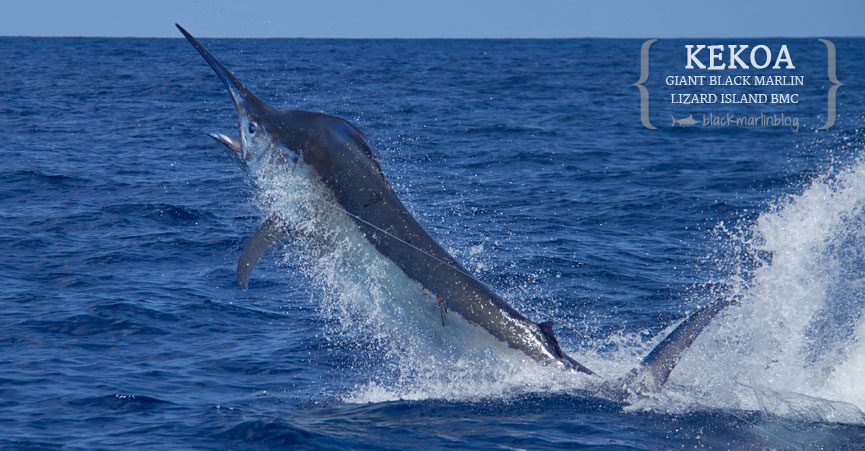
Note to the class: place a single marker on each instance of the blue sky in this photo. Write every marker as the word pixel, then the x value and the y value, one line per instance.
pixel 431 19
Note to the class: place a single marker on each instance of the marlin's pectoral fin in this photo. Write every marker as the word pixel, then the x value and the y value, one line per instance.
pixel 272 231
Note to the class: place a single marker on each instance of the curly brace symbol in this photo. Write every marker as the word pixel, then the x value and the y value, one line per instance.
pixel 830 97
pixel 644 92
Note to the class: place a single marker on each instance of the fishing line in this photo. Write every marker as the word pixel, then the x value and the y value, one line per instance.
pixel 412 246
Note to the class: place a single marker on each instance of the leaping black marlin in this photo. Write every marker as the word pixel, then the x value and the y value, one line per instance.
pixel 340 163
pixel 340 160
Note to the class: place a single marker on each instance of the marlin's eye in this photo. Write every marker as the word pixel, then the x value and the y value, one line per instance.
pixel 252 128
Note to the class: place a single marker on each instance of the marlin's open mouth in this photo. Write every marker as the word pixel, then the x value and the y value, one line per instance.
pixel 232 146
pixel 231 143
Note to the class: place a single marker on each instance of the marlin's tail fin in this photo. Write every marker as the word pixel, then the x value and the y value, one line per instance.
pixel 661 361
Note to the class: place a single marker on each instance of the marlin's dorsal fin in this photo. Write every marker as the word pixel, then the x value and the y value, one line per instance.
pixel 272 231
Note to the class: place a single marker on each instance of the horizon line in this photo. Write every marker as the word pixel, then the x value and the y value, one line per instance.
pixel 476 38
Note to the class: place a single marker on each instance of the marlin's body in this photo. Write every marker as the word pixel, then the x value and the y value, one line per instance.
pixel 340 163
pixel 342 158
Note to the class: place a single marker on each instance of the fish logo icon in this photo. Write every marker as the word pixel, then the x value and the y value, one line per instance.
pixel 684 121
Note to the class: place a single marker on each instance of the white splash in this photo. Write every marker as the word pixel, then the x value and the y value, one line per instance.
pixel 793 346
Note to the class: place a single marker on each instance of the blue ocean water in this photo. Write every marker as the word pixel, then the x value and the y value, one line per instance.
pixel 121 221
